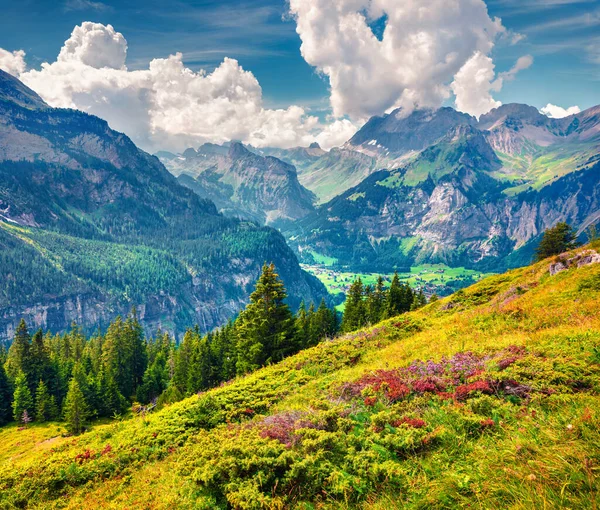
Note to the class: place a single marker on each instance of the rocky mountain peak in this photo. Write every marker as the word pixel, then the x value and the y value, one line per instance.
pixel 314 145
pixel 14 91
pixel 237 151
pixel 513 115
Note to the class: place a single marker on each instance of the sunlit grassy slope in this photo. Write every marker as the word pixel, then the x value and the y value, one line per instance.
pixel 502 411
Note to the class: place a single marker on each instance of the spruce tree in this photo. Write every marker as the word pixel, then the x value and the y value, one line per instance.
pixel 40 359
pixel 155 380
pixel 302 326
pixel 419 300
pixel 355 312
pixel 19 356
pixel 394 298
pixel 183 359
pixel 5 397
pixel 75 409
pixel 136 348
pixel 376 303
pixel 43 403
pixel 556 240
pixel 265 329
pixel 22 400
pixel 324 323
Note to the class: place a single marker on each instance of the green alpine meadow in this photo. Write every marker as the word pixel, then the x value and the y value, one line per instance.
pixel 299 255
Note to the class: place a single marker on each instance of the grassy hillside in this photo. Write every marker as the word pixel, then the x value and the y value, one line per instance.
pixel 485 399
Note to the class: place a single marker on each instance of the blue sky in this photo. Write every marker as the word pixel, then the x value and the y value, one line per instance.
pixel 562 36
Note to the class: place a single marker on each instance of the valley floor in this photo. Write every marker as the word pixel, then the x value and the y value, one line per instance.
pixel 486 399
pixel 432 278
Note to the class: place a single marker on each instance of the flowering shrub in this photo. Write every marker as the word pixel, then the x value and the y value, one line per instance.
pixel 283 426
pixel 415 423
pixel 464 391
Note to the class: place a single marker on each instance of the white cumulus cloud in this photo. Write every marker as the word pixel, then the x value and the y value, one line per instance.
pixel 12 62
pixel 557 112
pixel 475 81
pixel 472 86
pixel 168 105
pixel 423 46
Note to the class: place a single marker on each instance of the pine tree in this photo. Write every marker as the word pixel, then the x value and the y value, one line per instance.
pixel 224 352
pixel 22 400
pixel 355 312
pixel 183 359
pixel 399 298
pixel 556 240
pixel 136 347
pixel 112 401
pixel 19 356
pixel 200 373
pixel 375 304
pixel 75 409
pixel 302 326
pixel 324 323
pixel 155 380
pixel 419 300
pixel 43 403
pixel 265 329
pixel 5 397
pixel 40 359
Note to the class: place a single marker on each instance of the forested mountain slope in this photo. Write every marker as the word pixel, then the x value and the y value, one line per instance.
pixel 91 225
pixel 488 398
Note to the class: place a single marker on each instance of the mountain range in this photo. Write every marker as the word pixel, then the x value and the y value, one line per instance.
pixel 90 226
pixel 456 190
pixel 104 226
pixel 437 185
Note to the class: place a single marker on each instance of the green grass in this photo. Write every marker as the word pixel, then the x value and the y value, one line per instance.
pixel 431 276
pixel 333 427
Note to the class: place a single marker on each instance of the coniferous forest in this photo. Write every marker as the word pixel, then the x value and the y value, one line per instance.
pixel 71 377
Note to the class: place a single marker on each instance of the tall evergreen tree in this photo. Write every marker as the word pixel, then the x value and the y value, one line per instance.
pixel 302 326
pixel 19 356
pixel 136 348
pixel 43 403
pixel 5 397
pixel 155 381
pixel 22 400
pixel 183 359
pixel 75 410
pixel 40 359
pixel 419 300
pixel 265 328
pixel 376 303
pixel 355 312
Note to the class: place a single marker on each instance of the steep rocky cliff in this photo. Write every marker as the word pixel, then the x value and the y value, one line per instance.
pixel 242 183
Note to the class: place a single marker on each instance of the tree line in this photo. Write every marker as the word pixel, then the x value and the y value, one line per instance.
pixel 71 377
pixel 74 378
pixel 367 304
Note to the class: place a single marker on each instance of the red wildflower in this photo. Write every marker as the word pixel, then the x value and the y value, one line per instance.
pixel 415 423
pixel 370 401
pixel 487 423
pixel 464 391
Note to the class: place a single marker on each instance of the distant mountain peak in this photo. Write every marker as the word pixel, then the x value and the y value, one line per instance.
pixel 11 89
pixel 237 150
pixel 513 114
pixel 314 145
